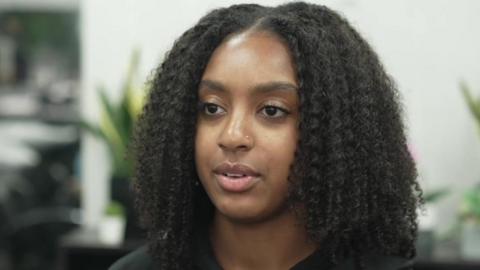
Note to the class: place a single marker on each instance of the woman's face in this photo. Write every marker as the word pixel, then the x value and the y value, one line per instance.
pixel 247 126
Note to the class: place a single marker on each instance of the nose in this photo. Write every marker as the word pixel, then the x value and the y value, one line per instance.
pixel 236 134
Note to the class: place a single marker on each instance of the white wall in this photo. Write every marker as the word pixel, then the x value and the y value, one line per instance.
pixel 426 45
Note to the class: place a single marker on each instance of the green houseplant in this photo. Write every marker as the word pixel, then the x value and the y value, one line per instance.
pixel 118 120
pixel 115 129
pixel 470 207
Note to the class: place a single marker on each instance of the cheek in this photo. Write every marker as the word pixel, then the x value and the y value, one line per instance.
pixel 281 147
pixel 282 141
pixel 200 148
pixel 205 148
pixel 201 139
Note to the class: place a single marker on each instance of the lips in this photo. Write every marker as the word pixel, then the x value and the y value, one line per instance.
pixel 235 177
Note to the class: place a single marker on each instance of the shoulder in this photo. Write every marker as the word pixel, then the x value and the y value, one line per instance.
pixel 380 262
pixel 388 262
pixel 138 260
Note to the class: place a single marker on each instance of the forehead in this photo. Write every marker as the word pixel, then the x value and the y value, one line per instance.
pixel 251 57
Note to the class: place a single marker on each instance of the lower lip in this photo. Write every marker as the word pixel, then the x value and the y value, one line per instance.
pixel 239 184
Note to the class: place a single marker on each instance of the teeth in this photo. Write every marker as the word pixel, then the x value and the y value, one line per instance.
pixel 233 175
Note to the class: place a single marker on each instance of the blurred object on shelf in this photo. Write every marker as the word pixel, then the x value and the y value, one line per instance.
pixel 56 103
pixel 7 60
pixel 18 104
pixel 12 60
pixel 39 65
pixel 38 47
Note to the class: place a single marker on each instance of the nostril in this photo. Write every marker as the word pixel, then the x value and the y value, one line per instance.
pixel 233 147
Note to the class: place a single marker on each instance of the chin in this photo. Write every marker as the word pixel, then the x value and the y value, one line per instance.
pixel 246 213
pixel 243 218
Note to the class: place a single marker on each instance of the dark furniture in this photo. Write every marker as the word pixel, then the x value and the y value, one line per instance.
pixel 446 265
pixel 81 250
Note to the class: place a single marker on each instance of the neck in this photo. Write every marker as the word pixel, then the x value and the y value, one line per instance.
pixel 278 243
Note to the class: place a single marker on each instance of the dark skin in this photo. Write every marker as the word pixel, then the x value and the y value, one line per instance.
pixel 250 87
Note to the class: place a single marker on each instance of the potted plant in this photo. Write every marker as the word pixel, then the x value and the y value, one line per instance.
pixel 115 130
pixel 111 230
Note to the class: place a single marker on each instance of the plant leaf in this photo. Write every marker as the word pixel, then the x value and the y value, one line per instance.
pixel 472 104
pixel 435 195
pixel 94 130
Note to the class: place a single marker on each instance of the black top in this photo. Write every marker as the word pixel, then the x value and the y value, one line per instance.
pixel 205 260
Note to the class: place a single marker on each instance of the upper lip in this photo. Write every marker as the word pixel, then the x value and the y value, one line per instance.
pixel 235 168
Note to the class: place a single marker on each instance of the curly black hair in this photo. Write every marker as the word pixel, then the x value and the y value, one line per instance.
pixel 357 185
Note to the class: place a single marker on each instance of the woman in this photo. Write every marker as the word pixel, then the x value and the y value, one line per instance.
pixel 272 139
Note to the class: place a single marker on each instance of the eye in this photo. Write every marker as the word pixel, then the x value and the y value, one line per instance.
pixel 271 111
pixel 212 109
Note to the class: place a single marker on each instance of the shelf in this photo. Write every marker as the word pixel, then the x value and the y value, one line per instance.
pixel 43 5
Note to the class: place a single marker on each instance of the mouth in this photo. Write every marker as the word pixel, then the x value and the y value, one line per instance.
pixel 236 177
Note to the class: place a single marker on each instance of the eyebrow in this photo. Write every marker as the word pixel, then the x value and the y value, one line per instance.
pixel 263 87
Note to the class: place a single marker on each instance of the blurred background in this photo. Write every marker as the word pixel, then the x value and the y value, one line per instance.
pixel 72 80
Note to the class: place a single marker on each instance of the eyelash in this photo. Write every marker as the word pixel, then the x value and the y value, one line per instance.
pixel 203 106
pixel 284 112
